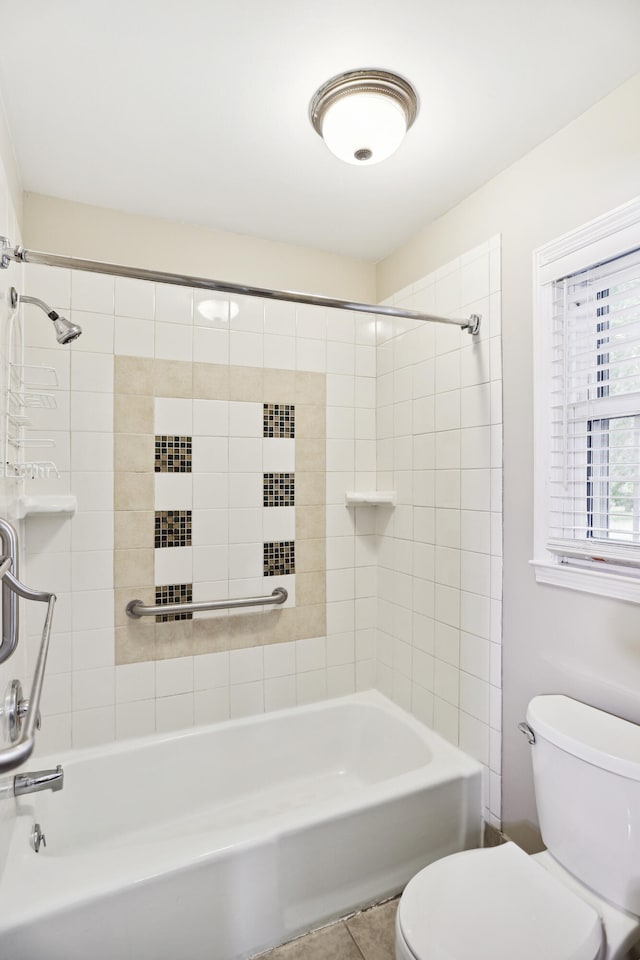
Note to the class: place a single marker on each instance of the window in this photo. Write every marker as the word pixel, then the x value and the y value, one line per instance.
pixel 587 322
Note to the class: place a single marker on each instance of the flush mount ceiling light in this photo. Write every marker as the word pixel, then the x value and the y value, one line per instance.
pixel 363 115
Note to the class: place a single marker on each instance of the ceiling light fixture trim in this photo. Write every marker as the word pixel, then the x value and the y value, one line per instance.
pixel 363 115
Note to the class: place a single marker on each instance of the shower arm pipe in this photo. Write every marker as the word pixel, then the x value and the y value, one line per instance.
pixel 22 255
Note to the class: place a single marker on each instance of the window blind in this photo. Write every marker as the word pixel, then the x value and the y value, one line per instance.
pixel 594 482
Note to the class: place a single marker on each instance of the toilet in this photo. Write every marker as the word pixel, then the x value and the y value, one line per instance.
pixel 580 898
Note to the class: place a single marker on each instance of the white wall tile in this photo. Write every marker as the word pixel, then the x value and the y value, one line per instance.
pixel 211 418
pixel 246 349
pixel 311 686
pixel 210 454
pixel 174 712
pixel 97 332
pixel 173 342
pixel 134 337
pixel 211 706
pixel 91 412
pixel 280 660
pixel 280 693
pixel 246 699
pixel 174 676
pixel 174 416
pixel 174 491
pixel 90 728
pixel 278 455
pixel 93 688
pixel 280 352
pixel 92 291
pixel 280 318
pixel 135 681
pixel 210 345
pixel 173 304
pixel 246 666
pixel 134 298
pixel 92 372
pixel 135 719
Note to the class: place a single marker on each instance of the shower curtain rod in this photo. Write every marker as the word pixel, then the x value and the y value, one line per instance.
pixel 8 253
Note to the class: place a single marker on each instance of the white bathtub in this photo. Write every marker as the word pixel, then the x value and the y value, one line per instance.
pixel 218 842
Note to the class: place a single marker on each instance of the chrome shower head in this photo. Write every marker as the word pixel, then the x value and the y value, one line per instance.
pixel 66 332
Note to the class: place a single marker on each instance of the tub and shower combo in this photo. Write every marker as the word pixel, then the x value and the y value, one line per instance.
pixel 220 841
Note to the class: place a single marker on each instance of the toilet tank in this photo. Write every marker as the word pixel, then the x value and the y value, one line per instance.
pixel 586 769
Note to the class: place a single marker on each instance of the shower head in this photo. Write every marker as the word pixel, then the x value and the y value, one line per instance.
pixel 66 332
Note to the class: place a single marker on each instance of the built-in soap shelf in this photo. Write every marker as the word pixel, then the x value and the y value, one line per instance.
pixel 370 498
pixel 64 503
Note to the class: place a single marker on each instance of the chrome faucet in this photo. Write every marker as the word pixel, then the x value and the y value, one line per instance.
pixel 40 780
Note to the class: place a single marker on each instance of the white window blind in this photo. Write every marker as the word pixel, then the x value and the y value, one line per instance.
pixel 594 482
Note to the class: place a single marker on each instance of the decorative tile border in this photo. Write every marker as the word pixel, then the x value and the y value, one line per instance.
pixel 279 489
pixel 137 381
pixel 174 593
pixel 279 558
pixel 173 454
pixel 280 420
pixel 172 528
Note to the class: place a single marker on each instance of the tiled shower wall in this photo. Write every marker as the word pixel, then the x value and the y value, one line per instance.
pixel 8 278
pixel 269 352
pixel 412 592
pixel 439 428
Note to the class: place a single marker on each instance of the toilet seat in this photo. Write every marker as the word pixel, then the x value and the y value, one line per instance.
pixel 496 902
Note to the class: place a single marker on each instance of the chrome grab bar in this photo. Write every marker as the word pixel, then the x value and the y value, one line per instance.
pixel 136 608
pixel 9 544
pixel 26 714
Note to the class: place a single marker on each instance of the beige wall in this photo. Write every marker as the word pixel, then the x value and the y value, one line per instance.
pixel 96 233
pixel 8 161
pixel 555 640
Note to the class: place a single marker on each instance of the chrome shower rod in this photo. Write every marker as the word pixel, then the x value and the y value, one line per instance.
pixel 8 253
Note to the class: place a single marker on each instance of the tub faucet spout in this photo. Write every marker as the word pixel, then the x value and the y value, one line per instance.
pixel 40 780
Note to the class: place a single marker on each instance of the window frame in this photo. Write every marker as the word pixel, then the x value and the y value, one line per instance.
pixel 604 238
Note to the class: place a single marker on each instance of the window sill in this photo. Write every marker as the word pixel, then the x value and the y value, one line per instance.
pixel 598 582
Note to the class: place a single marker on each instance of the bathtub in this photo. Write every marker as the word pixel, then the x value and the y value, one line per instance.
pixel 218 842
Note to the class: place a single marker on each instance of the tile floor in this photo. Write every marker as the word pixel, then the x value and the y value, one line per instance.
pixel 369 935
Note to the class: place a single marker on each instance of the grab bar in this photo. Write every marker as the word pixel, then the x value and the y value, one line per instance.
pixel 136 608
pixel 10 611
pixel 24 723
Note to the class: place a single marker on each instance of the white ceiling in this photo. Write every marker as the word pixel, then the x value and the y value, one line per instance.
pixel 196 110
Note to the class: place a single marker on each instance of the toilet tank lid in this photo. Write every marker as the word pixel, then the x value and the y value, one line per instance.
pixel 590 734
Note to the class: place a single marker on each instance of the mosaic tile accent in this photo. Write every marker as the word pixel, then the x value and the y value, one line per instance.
pixel 280 420
pixel 174 593
pixel 173 454
pixel 173 528
pixel 279 558
pixel 279 489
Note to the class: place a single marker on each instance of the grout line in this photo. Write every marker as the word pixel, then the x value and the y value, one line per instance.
pixel 357 945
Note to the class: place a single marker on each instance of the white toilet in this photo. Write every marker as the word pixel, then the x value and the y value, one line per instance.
pixel 580 899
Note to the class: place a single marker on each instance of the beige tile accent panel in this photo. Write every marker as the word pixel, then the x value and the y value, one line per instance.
pixel 136 382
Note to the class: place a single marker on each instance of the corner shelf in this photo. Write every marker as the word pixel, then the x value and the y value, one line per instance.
pixel 370 498
pixel 61 503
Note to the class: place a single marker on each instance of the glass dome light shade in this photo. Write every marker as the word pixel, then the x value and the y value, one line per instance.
pixel 364 128
pixel 363 115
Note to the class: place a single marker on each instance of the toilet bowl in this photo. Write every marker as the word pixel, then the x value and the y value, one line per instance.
pixel 580 899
